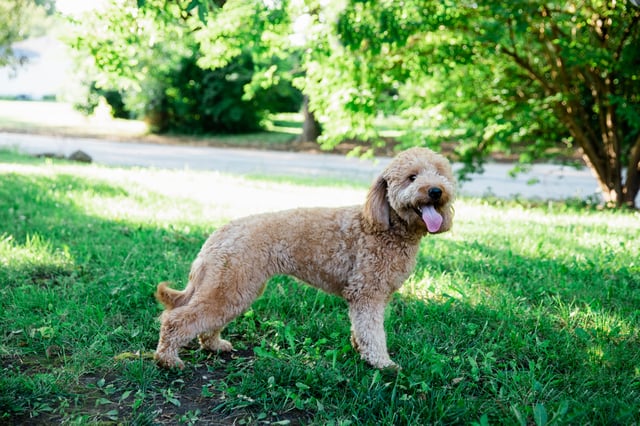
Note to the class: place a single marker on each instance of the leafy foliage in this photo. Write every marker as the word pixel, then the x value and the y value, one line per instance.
pixel 150 55
pixel 581 59
pixel 528 77
pixel 207 101
pixel 534 78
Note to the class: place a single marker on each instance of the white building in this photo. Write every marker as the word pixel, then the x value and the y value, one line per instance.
pixel 44 73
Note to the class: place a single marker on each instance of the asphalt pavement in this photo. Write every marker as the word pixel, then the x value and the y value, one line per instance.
pixel 543 181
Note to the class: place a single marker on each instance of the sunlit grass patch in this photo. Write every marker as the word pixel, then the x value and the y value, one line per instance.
pixel 36 257
pixel 62 118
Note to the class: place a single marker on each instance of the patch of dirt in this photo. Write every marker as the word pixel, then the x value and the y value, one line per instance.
pixel 45 275
pixel 191 396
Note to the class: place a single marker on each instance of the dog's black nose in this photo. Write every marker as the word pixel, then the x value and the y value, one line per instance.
pixel 435 193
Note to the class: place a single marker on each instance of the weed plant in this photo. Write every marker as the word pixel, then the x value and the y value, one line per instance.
pixel 521 315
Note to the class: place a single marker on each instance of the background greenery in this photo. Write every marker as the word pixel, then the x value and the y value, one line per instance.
pixel 534 79
pixel 537 78
pixel 523 314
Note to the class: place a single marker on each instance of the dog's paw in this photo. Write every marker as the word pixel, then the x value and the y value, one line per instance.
pixel 224 346
pixel 390 371
pixel 390 368
pixel 218 345
pixel 169 363
pixel 382 363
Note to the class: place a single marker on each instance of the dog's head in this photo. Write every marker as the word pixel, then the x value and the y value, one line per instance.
pixel 419 187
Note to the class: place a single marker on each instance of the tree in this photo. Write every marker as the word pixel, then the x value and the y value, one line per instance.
pixel 310 127
pixel 265 36
pixel 151 56
pixel 583 59
pixel 20 20
pixel 535 78
pixel 131 51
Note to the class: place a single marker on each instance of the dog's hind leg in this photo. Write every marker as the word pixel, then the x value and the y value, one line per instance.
pixel 367 332
pixel 179 327
pixel 203 318
pixel 231 306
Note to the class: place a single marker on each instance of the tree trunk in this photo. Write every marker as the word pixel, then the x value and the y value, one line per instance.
pixel 310 127
pixel 609 194
pixel 616 190
pixel 632 184
pixel 601 145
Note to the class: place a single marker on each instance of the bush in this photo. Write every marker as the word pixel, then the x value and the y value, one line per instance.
pixel 145 63
pixel 198 100
pixel 202 101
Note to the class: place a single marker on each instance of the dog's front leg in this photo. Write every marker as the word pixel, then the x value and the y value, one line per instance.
pixel 367 332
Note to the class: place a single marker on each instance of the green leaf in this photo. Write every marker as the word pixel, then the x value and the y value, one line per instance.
pixel 102 401
pixel 540 415
pixel 192 5
pixel 302 386
pixel 203 12
pixel 112 415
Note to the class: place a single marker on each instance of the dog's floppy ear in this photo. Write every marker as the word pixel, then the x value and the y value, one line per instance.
pixel 376 208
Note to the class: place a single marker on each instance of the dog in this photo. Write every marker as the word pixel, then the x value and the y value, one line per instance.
pixel 360 253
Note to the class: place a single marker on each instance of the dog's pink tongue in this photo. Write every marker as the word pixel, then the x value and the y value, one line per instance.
pixel 431 218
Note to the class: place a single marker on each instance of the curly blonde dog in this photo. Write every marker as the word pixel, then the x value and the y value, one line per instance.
pixel 361 253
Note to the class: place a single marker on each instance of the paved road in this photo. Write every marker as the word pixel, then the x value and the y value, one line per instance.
pixel 553 182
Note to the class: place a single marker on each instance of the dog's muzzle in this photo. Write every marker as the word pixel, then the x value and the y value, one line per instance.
pixel 427 211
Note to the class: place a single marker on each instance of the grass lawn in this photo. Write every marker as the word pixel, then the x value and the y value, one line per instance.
pixel 520 315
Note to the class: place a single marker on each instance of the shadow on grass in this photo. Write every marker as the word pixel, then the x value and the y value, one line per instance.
pixel 589 275
pixel 78 316
pixel 75 289
pixel 526 330
pixel 81 293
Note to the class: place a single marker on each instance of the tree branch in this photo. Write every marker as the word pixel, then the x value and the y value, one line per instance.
pixel 522 62
pixel 625 35
pixel 573 108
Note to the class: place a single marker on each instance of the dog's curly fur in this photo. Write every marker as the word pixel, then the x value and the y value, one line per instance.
pixel 361 253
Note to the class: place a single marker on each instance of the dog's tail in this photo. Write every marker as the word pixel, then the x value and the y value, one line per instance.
pixel 171 298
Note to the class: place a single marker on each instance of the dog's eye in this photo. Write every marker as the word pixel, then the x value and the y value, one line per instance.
pixel 412 177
